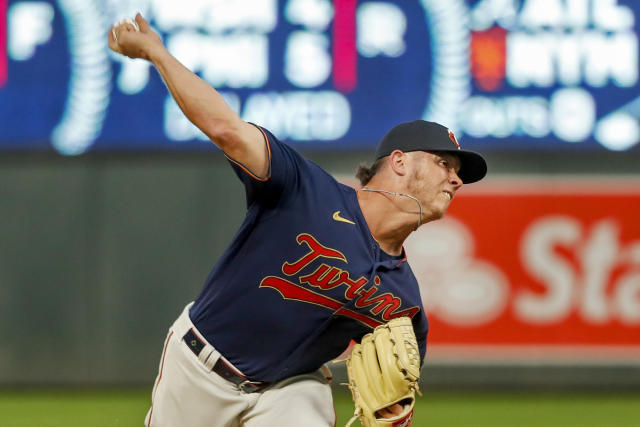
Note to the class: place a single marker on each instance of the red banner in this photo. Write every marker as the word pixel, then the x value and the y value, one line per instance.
pixel 533 269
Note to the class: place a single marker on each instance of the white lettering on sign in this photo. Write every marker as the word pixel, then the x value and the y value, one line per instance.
pixel 302 116
pixel 459 288
pixel 29 25
pixel 530 59
pixel 224 41
pixel 570 43
pixel 610 16
pixel 488 13
pixel 307 62
pixel 313 14
pixel 590 57
pixel 235 60
pixel 215 16
pixel 500 117
pixel 606 15
pixel 598 257
pixel 586 288
pixel 573 114
pixel 577 270
pixel 381 30
pixel 542 13
pixel 570 115
pixel 555 272
pixel 133 76
pixel 618 131
pixel 627 299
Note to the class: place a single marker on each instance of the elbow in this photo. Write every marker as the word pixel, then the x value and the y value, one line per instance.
pixel 225 135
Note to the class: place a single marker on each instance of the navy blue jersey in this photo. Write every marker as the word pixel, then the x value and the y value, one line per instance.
pixel 303 275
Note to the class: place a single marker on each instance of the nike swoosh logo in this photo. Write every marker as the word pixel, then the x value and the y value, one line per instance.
pixel 337 217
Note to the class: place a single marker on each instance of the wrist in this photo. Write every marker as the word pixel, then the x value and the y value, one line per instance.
pixel 154 53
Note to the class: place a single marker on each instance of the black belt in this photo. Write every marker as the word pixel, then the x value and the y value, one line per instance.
pixel 221 368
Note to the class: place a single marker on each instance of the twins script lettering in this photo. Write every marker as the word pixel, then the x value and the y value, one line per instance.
pixel 325 277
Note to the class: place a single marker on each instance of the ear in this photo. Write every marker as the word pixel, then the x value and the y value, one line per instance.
pixel 398 162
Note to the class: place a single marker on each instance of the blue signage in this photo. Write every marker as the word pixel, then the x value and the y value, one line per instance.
pixel 505 75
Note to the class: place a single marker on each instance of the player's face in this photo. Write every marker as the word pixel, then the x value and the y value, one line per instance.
pixel 434 181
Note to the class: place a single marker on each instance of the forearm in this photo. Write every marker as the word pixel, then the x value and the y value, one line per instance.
pixel 200 102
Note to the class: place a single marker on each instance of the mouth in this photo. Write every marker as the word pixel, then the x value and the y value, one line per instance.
pixel 448 194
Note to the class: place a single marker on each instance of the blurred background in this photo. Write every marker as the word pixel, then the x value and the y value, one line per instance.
pixel 114 208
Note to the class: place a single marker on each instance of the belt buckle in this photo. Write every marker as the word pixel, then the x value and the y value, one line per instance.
pixel 248 386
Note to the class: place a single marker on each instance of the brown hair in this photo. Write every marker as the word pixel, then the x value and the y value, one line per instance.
pixel 365 173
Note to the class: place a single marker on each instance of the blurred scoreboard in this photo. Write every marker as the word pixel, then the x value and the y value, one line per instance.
pixel 506 75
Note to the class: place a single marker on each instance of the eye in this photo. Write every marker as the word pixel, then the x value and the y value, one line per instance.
pixel 444 163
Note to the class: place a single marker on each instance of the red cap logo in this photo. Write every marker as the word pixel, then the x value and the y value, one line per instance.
pixel 453 138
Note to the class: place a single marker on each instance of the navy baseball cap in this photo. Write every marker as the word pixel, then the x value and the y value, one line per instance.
pixel 421 135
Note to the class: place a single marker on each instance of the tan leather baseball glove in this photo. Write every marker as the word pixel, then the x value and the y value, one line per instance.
pixel 384 370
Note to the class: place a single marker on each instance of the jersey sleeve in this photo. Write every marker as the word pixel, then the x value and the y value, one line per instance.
pixel 282 175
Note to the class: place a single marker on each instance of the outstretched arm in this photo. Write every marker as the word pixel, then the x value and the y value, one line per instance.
pixel 200 102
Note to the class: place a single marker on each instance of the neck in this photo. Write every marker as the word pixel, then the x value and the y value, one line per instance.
pixel 388 216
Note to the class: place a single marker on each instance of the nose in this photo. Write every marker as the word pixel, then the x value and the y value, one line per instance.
pixel 454 179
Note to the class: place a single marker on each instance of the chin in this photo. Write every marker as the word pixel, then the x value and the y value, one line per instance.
pixel 434 216
pixel 436 212
pixel 438 215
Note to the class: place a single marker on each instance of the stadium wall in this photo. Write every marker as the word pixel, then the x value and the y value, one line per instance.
pixel 100 253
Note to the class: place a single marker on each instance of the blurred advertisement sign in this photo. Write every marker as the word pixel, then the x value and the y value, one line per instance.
pixel 327 74
pixel 533 270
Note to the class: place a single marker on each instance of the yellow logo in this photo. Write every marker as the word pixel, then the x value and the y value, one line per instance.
pixel 337 217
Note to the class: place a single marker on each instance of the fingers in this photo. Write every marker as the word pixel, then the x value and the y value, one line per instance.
pixel 131 37
pixel 113 40
pixel 143 25
pixel 391 411
pixel 118 29
pixel 128 25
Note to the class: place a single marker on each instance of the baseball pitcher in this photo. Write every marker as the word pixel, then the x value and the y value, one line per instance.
pixel 314 265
